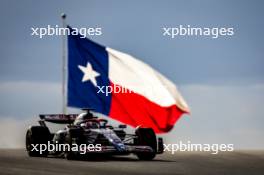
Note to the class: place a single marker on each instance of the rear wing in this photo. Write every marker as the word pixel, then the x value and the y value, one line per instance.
pixel 58 118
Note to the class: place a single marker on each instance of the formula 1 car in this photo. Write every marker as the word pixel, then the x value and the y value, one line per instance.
pixel 86 129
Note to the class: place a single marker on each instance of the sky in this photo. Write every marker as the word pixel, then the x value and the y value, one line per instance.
pixel 221 79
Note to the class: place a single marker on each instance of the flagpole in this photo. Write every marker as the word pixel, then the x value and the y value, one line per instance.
pixel 64 109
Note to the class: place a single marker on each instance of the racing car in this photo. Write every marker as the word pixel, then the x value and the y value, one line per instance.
pixel 88 129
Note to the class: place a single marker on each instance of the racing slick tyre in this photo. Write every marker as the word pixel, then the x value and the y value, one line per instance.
pixel 147 137
pixel 37 135
pixel 73 136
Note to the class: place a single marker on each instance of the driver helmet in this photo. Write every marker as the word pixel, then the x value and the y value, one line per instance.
pixel 82 117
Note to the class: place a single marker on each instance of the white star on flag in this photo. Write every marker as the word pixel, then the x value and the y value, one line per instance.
pixel 89 73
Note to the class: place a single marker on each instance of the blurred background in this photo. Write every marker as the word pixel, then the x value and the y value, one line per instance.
pixel 221 79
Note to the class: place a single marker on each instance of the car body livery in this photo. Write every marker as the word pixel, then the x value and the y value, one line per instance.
pixel 86 129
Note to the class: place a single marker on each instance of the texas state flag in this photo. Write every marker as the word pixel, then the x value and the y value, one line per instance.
pixel 146 98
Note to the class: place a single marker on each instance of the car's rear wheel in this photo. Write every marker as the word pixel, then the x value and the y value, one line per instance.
pixel 147 137
pixel 37 135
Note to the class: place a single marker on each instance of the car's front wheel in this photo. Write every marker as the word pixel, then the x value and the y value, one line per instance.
pixel 147 137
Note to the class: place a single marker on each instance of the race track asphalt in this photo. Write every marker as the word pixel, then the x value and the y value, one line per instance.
pixel 16 161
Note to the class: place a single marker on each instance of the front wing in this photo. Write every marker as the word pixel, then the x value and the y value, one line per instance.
pixel 128 149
